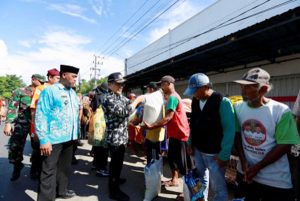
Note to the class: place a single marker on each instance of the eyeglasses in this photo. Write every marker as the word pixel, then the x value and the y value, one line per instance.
pixel 120 84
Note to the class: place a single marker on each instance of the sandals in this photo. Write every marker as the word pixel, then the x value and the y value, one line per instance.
pixel 170 183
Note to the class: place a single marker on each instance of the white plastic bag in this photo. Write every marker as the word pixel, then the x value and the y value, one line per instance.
pixel 153 173
pixel 186 192
pixel 153 107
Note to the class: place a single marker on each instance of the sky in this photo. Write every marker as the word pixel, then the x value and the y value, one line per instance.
pixel 37 35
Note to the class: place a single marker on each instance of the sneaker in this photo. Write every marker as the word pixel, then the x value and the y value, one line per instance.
pixel 102 173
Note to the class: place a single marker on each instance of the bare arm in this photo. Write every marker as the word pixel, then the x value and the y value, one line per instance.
pixel 137 101
pixel 240 150
pixel 161 122
pixel 275 154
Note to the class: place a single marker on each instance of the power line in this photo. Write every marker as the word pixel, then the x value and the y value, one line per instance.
pixel 125 41
pixel 209 30
pixel 120 28
pixel 181 42
pixel 132 25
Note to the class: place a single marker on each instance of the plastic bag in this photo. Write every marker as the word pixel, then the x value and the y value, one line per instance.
pixel 97 128
pixel 153 173
pixel 193 187
pixel 153 110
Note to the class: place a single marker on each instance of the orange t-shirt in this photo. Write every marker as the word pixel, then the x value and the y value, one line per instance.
pixel 34 100
pixel 36 95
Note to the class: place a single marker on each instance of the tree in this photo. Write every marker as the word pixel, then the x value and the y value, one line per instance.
pixel 87 86
pixel 9 83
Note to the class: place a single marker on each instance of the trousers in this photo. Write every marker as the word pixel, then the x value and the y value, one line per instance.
pixel 55 172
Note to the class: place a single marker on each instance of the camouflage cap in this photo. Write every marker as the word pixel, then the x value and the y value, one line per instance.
pixel 255 76
pixel 39 77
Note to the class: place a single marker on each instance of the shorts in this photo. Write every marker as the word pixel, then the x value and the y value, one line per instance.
pixel 178 157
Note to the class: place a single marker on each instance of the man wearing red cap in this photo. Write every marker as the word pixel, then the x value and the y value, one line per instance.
pixel 36 161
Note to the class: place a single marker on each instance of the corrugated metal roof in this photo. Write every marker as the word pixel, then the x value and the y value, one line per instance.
pixel 217 21
pixel 265 41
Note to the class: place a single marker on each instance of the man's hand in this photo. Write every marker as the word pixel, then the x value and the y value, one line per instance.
pixel 7 129
pixel 251 172
pixel 245 169
pixel 46 149
pixel 137 101
pixel 147 125
pixel 220 162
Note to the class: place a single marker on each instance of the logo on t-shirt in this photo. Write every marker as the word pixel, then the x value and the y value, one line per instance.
pixel 254 132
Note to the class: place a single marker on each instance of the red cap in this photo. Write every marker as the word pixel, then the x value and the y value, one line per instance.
pixel 53 72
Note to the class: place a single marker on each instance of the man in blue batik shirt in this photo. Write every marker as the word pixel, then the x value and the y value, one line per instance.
pixel 57 125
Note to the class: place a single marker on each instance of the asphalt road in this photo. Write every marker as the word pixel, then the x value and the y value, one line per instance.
pixel 87 186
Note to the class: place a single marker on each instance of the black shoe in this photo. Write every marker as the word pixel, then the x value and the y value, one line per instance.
pixel 17 171
pixel 67 195
pixel 122 181
pixel 119 196
pixel 34 175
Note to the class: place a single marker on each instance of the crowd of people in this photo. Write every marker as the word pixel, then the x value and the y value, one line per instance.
pixel 263 132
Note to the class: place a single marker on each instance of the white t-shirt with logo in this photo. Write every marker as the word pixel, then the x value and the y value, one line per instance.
pixel 262 129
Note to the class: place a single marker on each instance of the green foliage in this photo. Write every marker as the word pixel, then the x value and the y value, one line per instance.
pixel 9 83
pixel 87 86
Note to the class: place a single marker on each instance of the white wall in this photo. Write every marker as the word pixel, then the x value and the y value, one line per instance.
pixel 285 77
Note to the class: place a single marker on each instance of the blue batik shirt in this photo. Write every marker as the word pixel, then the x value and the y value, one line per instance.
pixel 57 115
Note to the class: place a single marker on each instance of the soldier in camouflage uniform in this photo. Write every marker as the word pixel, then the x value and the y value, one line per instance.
pixel 19 115
pixel 36 158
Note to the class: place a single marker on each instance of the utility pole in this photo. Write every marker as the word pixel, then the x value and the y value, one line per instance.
pixel 79 81
pixel 95 71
